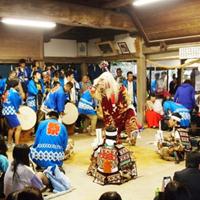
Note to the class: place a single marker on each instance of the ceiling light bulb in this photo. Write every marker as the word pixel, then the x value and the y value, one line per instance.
pixel 29 23
pixel 144 2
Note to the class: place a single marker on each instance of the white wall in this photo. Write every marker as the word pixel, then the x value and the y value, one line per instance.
pixel 130 41
pixel 92 48
pixel 60 48
pixel 68 48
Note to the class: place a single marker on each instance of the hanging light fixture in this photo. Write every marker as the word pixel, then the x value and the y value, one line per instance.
pixel 144 2
pixel 28 23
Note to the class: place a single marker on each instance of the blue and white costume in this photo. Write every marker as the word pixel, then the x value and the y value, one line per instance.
pixel 11 103
pixel 87 104
pixel 2 85
pixel 56 100
pixel 34 90
pixel 178 108
pixel 50 144
pixel 24 75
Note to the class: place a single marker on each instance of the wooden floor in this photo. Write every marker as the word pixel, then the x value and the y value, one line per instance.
pixel 151 169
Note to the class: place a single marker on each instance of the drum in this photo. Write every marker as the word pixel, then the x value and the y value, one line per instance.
pixel 70 114
pixel 27 117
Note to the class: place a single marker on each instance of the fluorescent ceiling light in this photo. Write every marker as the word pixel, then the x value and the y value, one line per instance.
pixel 29 23
pixel 144 2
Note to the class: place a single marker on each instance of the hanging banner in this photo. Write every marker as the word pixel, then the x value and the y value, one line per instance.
pixel 189 52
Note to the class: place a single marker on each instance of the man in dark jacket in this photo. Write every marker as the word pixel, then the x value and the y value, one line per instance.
pixel 185 95
pixel 190 176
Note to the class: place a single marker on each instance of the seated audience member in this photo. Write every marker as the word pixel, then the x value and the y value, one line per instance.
pixel 185 95
pixel 50 142
pixel 195 119
pixel 29 193
pixel 3 164
pixel 170 107
pixel 110 196
pixel 86 106
pixel 12 196
pixel 19 174
pixel 174 191
pixel 154 111
pixel 190 176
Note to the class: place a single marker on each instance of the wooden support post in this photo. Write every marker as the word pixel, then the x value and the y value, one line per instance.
pixel 84 69
pixel 181 72
pixel 141 81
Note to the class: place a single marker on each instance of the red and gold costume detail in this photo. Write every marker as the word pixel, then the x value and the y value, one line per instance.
pixel 112 165
pixel 119 114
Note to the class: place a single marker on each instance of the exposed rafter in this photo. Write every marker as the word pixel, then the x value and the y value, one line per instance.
pixel 55 33
pixel 66 13
pixel 117 3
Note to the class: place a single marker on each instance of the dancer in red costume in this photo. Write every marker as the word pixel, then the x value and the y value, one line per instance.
pixel 116 106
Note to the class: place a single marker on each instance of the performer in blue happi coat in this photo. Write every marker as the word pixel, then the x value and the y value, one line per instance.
pixel 2 85
pixel 172 107
pixel 50 142
pixel 11 103
pixel 35 92
pixel 86 106
pixel 55 100
pixel 67 88
pixel 24 73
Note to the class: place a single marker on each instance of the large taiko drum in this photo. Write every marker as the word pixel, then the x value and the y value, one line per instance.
pixel 27 117
pixel 70 114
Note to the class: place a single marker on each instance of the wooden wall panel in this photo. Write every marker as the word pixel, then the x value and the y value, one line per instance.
pixel 16 43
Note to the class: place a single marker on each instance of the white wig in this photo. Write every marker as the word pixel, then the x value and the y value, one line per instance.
pixel 111 85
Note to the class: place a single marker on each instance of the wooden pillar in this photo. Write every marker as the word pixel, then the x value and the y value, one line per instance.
pixel 181 72
pixel 84 69
pixel 141 80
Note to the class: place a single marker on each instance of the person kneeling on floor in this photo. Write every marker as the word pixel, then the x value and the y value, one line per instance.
pixel 50 142
pixel 174 146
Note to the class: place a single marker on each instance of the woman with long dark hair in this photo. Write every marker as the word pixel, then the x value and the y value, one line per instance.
pixel 20 174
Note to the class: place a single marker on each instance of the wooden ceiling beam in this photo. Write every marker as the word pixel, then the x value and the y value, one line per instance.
pixel 137 23
pixel 55 33
pixel 170 48
pixel 117 4
pixel 93 59
pixel 66 13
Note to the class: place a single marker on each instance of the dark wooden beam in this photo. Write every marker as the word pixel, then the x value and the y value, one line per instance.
pixel 95 59
pixel 55 33
pixel 66 13
pixel 117 4
pixel 137 23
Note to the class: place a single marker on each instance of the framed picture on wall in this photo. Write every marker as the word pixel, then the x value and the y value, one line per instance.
pixel 123 47
pixel 106 48
pixel 82 48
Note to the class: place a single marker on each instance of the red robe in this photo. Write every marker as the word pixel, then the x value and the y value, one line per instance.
pixel 118 114
pixel 153 118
